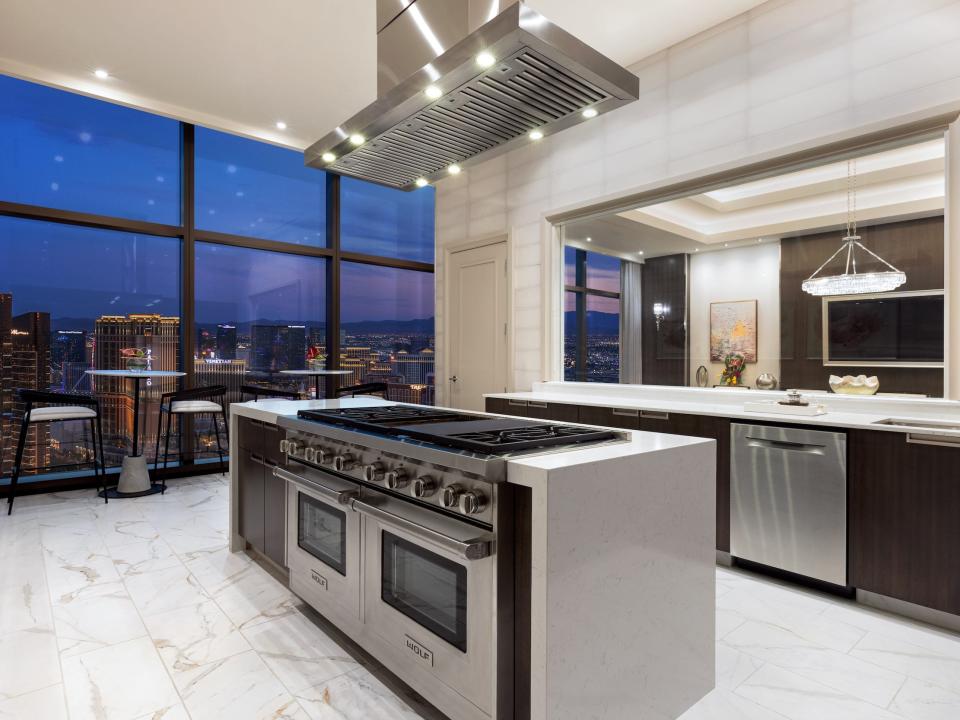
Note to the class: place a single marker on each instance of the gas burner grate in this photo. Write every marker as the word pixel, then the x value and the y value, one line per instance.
pixel 527 437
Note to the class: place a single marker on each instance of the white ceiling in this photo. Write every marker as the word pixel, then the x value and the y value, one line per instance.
pixel 242 65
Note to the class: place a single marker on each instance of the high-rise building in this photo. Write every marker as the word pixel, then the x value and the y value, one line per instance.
pixel 68 354
pixel 278 347
pixel 226 342
pixel 413 367
pixel 419 394
pixel 6 381
pixel 229 373
pixel 30 369
pixel 159 337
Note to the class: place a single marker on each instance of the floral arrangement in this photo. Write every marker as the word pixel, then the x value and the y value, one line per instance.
pixel 133 353
pixel 136 358
pixel 733 364
pixel 315 359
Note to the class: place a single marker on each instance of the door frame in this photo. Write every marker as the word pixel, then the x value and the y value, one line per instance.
pixel 442 383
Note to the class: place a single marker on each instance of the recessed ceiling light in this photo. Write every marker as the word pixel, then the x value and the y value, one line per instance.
pixel 696 249
pixel 328 157
pixel 589 239
pixel 726 244
pixel 536 135
pixel 421 182
pixel 640 252
pixel 357 139
pixel 281 125
pixel 433 92
pixel 485 59
pixel 454 169
pixel 101 73
pixel 589 113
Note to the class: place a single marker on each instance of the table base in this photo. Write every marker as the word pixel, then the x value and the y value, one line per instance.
pixel 113 493
pixel 134 477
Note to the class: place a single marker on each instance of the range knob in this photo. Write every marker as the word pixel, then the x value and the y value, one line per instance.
pixel 344 462
pixel 293 447
pixel 321 456
pixel 424 486
pixel 450 496
pixel 310 454
pixel 398 479
pixel 472 502
pixel 373 472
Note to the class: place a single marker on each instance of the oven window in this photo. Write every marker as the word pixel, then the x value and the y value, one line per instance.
pixel 322 532
pixel 427 588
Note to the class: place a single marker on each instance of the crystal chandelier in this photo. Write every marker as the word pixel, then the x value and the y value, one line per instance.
pixel 851 282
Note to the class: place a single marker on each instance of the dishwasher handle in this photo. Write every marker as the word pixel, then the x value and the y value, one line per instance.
pixel 785 445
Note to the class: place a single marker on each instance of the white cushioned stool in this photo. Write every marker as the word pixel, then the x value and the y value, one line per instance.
pixel 193 402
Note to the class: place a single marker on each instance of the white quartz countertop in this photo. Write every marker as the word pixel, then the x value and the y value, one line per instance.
pixel 860 418
pixel 269 410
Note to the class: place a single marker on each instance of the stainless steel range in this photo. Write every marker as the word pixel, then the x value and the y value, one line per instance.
pixel 400 530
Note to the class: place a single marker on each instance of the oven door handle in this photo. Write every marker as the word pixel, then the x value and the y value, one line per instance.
pixel 466 549
pixel 341 497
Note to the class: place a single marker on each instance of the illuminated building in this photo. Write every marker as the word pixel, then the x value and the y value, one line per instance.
pixel 413 367
pixel 229 373
pixel 226 342
pixel 30 369
pixel 6 379
pixel 278 347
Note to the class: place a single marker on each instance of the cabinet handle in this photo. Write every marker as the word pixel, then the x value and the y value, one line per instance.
pixel 517 403
pixel 532 403
pixel 258 459
pixel 654 415
pixel 933 440
pixel 625 413
pixel 269 463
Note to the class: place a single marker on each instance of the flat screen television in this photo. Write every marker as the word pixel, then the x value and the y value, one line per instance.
pixel 884 329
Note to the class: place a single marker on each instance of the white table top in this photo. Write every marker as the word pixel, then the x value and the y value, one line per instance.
pixel 316 372
pixel 137 373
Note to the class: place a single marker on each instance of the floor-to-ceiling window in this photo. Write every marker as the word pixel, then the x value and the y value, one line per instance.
pixel 591 337
pixel 217 255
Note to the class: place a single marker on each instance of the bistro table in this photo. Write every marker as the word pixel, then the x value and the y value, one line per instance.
pixel 134 476
pixel 317 374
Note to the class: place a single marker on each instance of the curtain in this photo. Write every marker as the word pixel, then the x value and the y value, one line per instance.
pixel 631 313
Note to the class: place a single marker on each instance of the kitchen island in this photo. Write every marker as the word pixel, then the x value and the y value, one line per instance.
pixel 605 587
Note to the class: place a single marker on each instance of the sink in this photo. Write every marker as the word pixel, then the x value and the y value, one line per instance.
pixel 927 424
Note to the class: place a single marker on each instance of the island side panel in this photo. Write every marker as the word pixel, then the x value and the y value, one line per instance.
pixel 623 585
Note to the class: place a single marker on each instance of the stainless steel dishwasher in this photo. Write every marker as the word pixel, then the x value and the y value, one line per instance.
pixel 788 499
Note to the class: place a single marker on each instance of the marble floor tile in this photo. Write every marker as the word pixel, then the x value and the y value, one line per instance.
pixel 45 704
pixel 28 662
pixel 24 607
pixel 103 615
pixel 300 654
pixel 798 698
pixel 918 662
pixel 722 704
pixel 119 682
pixel 163 590
pixel 357 694
pixel 173 712
pixel 192 532
pixel 254 598
pixel 117 533
pixel 733 666
pixel 920 700
pixel 192 636
pixel 69 573
pixel 218 569
pixel 143 557
pixel 240 687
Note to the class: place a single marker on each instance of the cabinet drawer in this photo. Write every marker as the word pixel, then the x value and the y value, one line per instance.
pixel 561 412
pixel 250 483
pixel 272 435
pixel 610 417
pixel 250 435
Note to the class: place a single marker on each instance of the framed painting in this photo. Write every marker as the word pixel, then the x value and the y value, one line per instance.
pixel 733 329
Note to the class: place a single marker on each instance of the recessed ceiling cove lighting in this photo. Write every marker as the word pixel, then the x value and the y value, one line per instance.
pixel 485 59
pixel 421 182
pixel 281 125
pixel 454 169
pixel 536 135
pixel 640 252
pixel 433 92
pixel 589 113
pixel 328 157
pixel 589 239
pixel 357 139
pixel 101 73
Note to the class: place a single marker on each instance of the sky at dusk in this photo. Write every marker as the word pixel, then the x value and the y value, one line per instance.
pixel 66 151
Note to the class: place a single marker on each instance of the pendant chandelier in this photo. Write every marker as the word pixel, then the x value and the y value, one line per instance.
pixel 851 282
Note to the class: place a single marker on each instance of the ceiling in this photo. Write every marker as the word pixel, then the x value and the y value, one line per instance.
pixel 244 65
pixel 896 183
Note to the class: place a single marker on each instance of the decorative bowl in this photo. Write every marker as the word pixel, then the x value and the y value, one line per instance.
pixel 766 381
pixel 136 364
pixel 850 385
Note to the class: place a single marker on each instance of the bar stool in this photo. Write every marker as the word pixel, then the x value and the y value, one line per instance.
pixel 209 400
pixel 265 392
pixel 373 388
pixel 47 407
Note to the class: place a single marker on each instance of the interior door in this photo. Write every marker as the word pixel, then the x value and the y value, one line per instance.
pixel 477 325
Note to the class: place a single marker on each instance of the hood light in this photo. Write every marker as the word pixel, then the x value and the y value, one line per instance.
pixel 433 92
pixel 589 113
pixel 328 157
pixel 485 60
pixel 454 169
pixel 536 135
pixel 357 139
pixel 421 182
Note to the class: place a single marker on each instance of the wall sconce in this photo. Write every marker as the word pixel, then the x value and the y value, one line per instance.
pixel 660 311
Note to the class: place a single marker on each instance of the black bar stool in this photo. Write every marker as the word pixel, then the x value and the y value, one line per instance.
pixel 209 400
pixel 374 388
pixel 265 392
pixel 47 407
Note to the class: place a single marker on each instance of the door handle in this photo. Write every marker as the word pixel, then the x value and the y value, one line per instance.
pixel 340 497
pixel 785 445
pixel 453 378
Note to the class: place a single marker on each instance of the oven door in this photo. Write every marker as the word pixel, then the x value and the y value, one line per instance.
pixel 323 541
pixel 429 587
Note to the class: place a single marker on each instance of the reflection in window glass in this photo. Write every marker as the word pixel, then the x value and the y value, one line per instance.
pixel 570 336
pixel 387 330
pixel 71 152
pixel 377 220
pixel 71 299
pixel 257 313
pixel 591 341
pixel 603 272
pixel 603 339
pixel 245 187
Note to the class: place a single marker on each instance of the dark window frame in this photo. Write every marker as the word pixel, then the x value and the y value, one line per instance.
pixel 580 293
pixel 189 235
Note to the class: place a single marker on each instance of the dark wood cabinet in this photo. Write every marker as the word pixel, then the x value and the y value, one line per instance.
pixel 905 518
pixel 262 496
pixel 704 426
pixel 610 417
pixel 561 412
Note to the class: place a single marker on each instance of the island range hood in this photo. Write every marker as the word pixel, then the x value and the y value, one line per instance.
pixel 449 98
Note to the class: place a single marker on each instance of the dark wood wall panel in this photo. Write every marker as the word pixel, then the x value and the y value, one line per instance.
pixel 664 280
pixel 914 246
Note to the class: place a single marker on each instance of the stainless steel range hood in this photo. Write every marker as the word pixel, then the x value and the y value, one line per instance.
pixel 541 80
